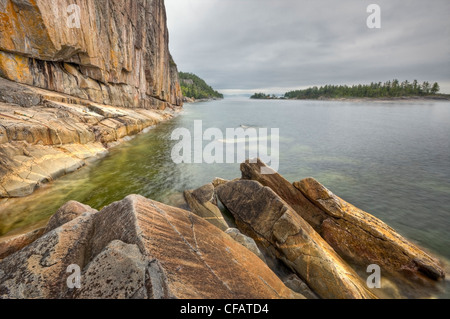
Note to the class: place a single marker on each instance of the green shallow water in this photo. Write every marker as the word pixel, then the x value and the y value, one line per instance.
pixel 390 159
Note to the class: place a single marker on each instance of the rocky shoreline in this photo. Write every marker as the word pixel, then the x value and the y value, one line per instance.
pixel 190 100
pixel 45 135
pixel 68 92
pixel 257 237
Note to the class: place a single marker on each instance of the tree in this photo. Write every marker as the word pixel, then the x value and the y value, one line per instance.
pixel 436 88
pixel 426 87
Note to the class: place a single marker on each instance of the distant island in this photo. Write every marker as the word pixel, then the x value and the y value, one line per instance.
pixel 389 89
pixel 194 88
pixel 263 96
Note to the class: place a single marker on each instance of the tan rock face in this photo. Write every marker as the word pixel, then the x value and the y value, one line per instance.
pixel 365 239
pixel 111 52
pixel 272 222
pixel 138 248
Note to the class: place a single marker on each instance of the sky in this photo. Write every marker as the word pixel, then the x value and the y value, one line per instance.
pixel 274 46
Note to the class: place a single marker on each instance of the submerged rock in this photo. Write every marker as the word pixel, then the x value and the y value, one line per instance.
pixel 138 248
pixel 263 215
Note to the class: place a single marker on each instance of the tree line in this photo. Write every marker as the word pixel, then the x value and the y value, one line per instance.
pixel 374 90
pixel 263 96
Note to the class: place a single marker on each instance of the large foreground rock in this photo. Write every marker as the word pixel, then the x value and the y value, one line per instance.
pixel 263 215
pixel 356 235
pixel 365 239
pixel 138 248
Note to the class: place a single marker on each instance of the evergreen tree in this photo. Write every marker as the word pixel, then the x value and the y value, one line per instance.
pixel 436 88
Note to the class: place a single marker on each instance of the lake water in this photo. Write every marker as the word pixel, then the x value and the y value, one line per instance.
pixel 391 159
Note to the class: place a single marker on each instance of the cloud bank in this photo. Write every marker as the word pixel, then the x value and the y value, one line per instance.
pixel 244 46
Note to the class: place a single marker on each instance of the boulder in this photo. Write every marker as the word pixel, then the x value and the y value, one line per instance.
pixel 65 214
pixel 294 282
pixel 139 248
pixel 39 271
pixel 263 215
pixel 203 203
pixel 291 195
pixel 365 239
pixel 220 181
pixel 16 243
pixel 118 272
pixel 68 212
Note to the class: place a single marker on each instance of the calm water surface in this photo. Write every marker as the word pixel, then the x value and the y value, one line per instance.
pixel 391 159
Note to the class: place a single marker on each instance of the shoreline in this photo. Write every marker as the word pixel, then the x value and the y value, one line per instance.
pixel 369 99
pixel 58 134
pixel 188 100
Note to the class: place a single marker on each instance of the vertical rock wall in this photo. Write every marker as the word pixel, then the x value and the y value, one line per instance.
pixel 112 52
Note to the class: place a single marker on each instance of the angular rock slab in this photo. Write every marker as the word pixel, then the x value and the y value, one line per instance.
pixel 365 239
pixel 203 203
pixel 268 218
pixel 167 252
pixel 292 196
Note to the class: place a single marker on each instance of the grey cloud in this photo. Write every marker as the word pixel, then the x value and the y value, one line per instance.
pixel 260 44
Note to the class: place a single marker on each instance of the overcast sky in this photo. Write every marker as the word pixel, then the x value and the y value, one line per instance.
pixel 247 46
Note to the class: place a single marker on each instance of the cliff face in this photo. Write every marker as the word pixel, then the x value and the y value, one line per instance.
pixel 75 78
pixel 112 52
